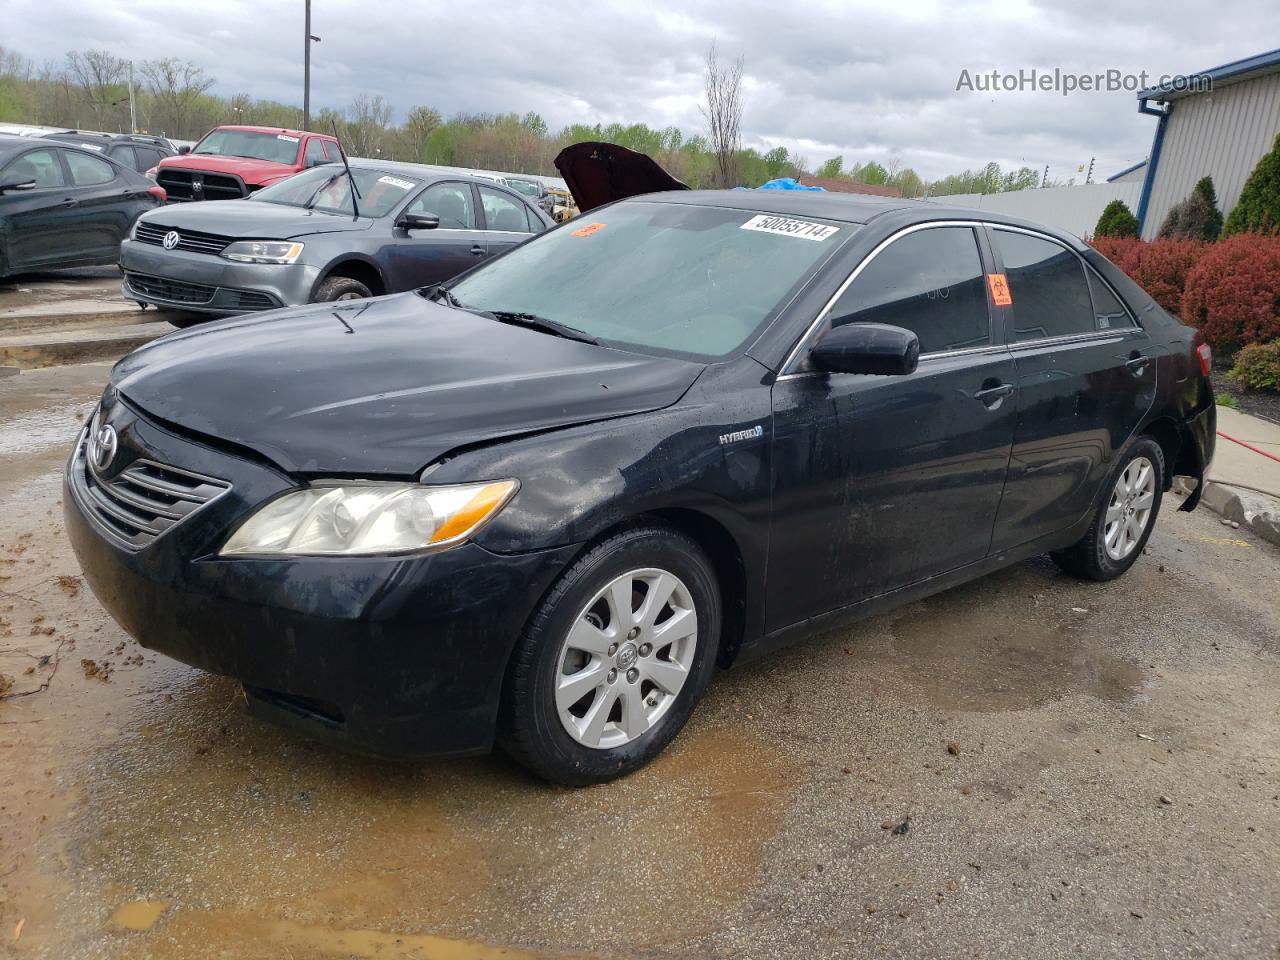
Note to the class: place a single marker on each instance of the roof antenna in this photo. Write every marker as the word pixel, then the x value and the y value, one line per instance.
pixel 355 191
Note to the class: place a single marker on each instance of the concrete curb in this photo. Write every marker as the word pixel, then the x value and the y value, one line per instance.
pixel 1256 512
pixel 80 346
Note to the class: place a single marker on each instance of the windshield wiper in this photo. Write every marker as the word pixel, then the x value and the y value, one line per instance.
pixel 534 322
pixel 315 195
pixel 439 293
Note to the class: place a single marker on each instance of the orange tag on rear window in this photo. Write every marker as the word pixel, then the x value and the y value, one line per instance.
pixel 1000 295
pixel 589 229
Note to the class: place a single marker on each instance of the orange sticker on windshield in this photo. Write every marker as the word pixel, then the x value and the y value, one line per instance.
pixel 589 229
pixel 1000 295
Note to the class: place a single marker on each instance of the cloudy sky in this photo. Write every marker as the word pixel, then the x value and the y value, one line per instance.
pixel 870 81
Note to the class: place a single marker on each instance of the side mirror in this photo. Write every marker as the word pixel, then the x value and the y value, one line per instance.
pixel 418 221
pixel 183 150
pixel 874 348
pixel 17 185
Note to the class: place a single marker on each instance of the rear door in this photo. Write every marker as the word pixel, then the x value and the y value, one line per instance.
pixel 1086 377
pixel 107 203
pixel 880 482
pixel 506 221
pixel 421 257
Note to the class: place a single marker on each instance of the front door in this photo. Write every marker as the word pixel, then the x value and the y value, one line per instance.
pixel 40 224
pixel 880 482
pixel 436 255
pixel 1086 377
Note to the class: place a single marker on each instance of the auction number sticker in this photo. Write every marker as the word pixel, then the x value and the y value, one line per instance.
pixel 785 226
pixel 589 229
pixel 286 138
pixel 397 182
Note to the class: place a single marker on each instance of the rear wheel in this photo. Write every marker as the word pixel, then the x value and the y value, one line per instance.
pixel 1124 518
pixel 614 660
pixel 341 288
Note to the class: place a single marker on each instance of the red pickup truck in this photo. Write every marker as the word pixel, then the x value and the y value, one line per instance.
pixel 232 162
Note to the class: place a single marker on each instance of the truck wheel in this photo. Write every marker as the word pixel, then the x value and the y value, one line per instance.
pixel 341 288
pixel 614 660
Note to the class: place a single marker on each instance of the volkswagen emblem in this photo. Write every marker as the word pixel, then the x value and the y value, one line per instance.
pixel 170 239
pixel 102 448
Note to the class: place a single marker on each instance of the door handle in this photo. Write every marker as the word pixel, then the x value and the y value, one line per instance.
pixel 991 396
pixel 69 202
pixel 477 251
pixel 1137 364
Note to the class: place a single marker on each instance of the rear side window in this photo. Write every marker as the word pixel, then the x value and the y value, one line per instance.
pixel 315 151
pixel 89 171
pixel 42 166
pixel 1048 286
pixel 125 156
pixel 1107 308
pixel 929 282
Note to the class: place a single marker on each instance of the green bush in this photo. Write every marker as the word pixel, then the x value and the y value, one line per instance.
pixel 1259 208
pixel 1227 400
pixel 1197 217
pixel 1117 220
pixel 1257 366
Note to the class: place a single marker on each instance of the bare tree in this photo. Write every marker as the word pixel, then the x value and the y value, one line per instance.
pixel 723 112
pixel 418 127
pixel 367 120
pixel 100 77
pixel 175 87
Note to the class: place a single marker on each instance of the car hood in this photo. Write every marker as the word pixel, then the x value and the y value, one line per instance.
pixel 384 386
pixel 252 218
pixel 599 173
pixel 247 169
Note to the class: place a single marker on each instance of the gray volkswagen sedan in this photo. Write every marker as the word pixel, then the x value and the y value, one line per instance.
pixel 304 240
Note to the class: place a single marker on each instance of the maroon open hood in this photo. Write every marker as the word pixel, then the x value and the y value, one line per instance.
pixel 599 173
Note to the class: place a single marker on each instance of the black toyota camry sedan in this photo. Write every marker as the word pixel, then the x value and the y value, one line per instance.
pixel 539 506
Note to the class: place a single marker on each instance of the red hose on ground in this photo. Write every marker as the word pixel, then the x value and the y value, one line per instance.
pixel 1249 446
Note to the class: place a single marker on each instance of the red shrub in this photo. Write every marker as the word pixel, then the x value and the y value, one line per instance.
pixel 1159 267
pixel 1233 292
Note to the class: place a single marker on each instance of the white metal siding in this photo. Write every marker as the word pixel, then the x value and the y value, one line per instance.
pixel 1221 134
pixel 1073 209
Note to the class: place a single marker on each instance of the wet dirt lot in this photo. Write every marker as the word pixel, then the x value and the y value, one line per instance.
pixel 1025 766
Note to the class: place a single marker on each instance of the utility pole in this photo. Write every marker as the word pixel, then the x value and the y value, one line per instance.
pixel 133 114
pixel 1089 177
pixel 307 40
pixel 1044 181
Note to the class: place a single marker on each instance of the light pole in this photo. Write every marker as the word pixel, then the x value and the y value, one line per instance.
pixel 307 39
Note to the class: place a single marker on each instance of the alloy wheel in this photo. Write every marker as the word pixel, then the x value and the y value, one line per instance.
pixel 626 658
pixel 1129 510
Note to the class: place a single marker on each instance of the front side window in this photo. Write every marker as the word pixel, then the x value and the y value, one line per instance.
pixel 502 212
pixel 1048 286
pixel 255 145
pixel 42 166
pixel 929 282
pixel 328 189
pixel 668 278
pixel 451 202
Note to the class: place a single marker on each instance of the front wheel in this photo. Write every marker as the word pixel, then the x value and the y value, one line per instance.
pixel 1124 518
pixel 341 288
pixel 614 660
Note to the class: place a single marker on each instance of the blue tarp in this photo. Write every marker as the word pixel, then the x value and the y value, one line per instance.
pixel 787 183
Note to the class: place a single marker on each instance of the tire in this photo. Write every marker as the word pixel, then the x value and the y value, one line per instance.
pixel 1100 557
pixel 341 288
pixel 535 722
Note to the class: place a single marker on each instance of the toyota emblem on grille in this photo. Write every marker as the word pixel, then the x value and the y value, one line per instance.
pixel 102 448
pixel 171 239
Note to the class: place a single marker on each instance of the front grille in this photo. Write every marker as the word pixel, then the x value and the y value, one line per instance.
pixel 192 241
pixel 175 291
pixel 249 300
pixel 144 501
pixel 182 184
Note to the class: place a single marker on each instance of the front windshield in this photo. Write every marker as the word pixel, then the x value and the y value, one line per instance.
pixel 670 277
pixel 524 186
pixel 327 189
pixel 276 147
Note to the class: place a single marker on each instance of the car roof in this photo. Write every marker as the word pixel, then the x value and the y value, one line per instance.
pixel 10 145
pixel 848 207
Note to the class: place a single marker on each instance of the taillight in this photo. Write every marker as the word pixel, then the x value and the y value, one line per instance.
pixel 159 193
pixel 1205 353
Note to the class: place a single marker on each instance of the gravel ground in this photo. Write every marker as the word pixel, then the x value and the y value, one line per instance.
pixel 1027 766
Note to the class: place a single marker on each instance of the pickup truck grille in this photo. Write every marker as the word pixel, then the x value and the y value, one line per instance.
pixel 182 185
pixel 175 291
pixel 190 240
pixel 144 501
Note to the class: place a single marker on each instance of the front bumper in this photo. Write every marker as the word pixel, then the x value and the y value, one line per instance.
pixel 205 283
pixel 401 656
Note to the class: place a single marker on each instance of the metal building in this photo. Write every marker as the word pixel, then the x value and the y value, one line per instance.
pixel 1221 132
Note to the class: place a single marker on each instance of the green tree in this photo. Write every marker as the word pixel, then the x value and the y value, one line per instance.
pixel 418 127
pixel 872 173
pixel 534 123
pixel 1117 220
pixel 776 161
pixel 1258 209
pixel 1204 187
pixel 831 168
pixel 1197 216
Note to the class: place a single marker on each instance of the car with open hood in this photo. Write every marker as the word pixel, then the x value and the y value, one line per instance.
pixel 538 506
pixel 309 240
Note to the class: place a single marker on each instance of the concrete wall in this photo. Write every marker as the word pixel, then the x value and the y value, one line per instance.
pixel 1074 209
pixel 1221 134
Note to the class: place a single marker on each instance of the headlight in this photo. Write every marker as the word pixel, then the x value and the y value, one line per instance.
pixel 133 230
pixel 263 251
pixel 339 518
